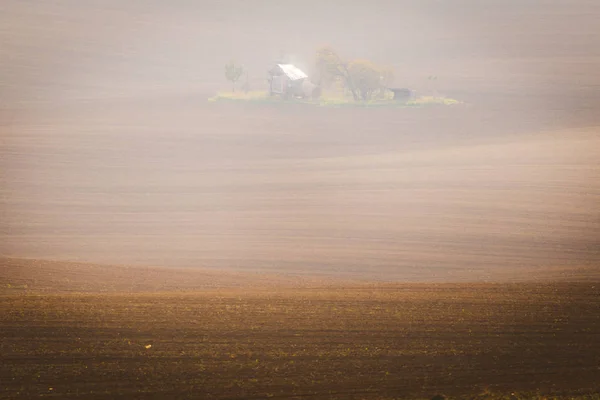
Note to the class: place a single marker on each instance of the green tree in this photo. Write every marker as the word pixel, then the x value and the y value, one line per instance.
pixel 367 78
pixel 233 72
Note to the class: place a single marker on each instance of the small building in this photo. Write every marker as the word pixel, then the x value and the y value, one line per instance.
pixel 402 94
pixel 287 80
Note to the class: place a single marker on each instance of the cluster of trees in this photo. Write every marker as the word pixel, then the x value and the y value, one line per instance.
pixel 364 79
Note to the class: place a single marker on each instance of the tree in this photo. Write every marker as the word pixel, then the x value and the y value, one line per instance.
pixel 331 67
pixel 362 77
pixel 233 72
pixel 366 77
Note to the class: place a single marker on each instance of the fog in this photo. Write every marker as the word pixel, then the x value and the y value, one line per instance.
pixel 111 153
pixel 55 50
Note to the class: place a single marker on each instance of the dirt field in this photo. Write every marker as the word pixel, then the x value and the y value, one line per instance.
pixel 270 340
pixel 417 194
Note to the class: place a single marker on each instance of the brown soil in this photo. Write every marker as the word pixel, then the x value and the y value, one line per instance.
pixel 362 342
pixel 241 335
pixel 30 276
pixel 43 276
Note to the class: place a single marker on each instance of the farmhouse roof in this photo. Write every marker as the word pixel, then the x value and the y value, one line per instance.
pixel 292 72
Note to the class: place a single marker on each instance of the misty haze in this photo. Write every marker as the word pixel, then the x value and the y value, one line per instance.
pixel 131 165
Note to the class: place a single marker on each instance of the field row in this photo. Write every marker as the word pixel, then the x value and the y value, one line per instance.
pixel 362 342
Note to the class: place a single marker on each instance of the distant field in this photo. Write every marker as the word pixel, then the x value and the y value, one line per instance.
pixel 406 194
pixel 364 341
pixel 31 276
pixel 124 161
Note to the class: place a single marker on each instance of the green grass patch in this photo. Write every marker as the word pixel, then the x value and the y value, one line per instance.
pixel 260 97
pixel 254 96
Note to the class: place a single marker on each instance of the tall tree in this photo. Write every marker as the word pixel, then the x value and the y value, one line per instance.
pixel 331 67
pixel 367 78
pixel 233 72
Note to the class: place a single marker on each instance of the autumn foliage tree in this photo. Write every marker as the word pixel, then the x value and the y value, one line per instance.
pixel 366 78
pixel 362 78
pixel 330 68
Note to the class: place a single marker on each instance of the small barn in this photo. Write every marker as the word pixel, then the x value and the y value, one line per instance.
pixel 402 94
pixel 287 80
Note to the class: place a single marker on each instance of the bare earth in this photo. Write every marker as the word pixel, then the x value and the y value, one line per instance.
pixel 230 336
